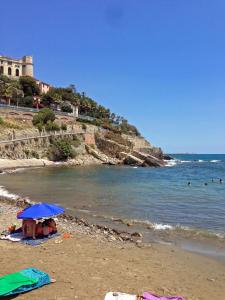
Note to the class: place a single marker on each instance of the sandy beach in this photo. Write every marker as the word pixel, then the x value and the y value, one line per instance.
pixel 87 265
pixel 11 164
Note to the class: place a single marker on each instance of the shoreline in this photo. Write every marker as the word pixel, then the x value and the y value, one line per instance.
pixel 95 260
pixel 210 246
pixel 200 242
pixel 12 164
pixel 105 232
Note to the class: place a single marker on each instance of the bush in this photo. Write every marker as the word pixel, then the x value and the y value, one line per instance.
pixel 9 124
pixel 52 126
pixel 61 150
pixel 84 126
pixel 1 121
pixel 27 101
pixel 116 137
pixel 40 127
pixel 34 154
pixel 96 122
pixel 44 116
pixel 63 126
pixel 76 142
pixel 65 107
pixel 129 129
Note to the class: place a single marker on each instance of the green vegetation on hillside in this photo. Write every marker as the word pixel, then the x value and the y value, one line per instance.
pixel 44 119
pixel 25 92
pixel 9 124
pixel 61 149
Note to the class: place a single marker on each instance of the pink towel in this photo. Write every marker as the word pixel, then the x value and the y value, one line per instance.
pixel 149 296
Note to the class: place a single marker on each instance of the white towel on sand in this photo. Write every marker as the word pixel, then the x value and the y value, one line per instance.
pixel 119 296
pixel 15 237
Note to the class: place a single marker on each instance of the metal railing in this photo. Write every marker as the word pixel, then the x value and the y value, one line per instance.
pixel 19 108
pixel 42 135
pixel 30 109
pixel 84 117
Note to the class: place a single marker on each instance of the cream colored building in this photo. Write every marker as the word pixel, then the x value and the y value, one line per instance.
pixel 14 68
pixel 43 86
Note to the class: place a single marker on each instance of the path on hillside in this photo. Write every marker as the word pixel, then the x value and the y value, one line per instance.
pixel 42 135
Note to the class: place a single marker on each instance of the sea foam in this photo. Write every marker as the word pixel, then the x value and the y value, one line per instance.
pixel 159 226
pixel 6 194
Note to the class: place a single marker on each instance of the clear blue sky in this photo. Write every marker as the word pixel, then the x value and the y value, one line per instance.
pixel 159 63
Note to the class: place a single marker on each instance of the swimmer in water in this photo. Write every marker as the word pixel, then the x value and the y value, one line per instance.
pixel 189 183
pixel 205 183
pixel 221 181
pixel 212 180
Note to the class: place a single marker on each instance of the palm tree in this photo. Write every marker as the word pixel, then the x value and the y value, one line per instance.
pixel 76 100
pixel 11 90
pixel 57 99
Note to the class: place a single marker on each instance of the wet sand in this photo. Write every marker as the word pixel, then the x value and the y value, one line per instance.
pixel 87 265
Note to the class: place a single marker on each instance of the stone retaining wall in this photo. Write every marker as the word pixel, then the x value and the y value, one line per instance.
pixel 30 148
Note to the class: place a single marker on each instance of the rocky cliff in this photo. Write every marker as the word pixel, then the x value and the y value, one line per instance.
pixel 129 150
pixel 103 146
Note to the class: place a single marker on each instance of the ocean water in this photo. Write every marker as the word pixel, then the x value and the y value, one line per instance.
pixel 157 199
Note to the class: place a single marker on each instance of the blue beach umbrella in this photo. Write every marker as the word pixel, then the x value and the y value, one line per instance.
pixel 42 210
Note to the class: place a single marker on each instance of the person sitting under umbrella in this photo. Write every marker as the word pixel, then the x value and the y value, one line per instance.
pixel 38 211
pixel 49 227
pixel 28 228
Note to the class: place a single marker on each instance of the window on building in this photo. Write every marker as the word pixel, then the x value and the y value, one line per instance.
pixel 1 70
pixel 9 71
pixel 17 72
pixel 9 63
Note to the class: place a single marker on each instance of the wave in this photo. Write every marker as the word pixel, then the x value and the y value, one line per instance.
pixel 185 231
pixel 6 194
pixel 160 226
pixel 171 163
pixel 177 161
pixel 174 162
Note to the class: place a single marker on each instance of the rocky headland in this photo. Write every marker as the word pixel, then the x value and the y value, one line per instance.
pixel 91 145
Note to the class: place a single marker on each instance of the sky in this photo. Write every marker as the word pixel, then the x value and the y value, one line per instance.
pixel 158 63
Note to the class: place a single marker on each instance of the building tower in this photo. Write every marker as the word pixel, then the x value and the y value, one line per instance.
pixel 28 67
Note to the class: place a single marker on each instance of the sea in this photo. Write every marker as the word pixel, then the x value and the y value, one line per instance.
pixel 182 203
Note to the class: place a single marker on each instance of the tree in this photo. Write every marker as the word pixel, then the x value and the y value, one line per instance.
pixel 52 97
pixel 29 86
pixel 27 101
pixel 66 107
pixel 10 90
pixel 76 100
pixel 73 88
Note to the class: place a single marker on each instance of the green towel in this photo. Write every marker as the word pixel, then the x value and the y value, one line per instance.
pixel 9 283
